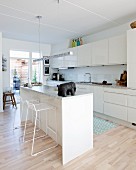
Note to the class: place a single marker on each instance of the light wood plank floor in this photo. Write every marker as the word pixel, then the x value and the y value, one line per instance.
pixel 113 150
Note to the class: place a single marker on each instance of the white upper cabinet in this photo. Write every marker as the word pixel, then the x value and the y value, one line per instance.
pixel 57 62
pixel 100 52
pixel 71 60
pixel 131 58
pixel 84 55
pixel 118 50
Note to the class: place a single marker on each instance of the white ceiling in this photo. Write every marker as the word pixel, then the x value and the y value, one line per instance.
pixel 63 20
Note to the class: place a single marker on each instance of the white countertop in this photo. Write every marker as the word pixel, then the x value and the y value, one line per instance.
pixel 110 86
pixel 53 91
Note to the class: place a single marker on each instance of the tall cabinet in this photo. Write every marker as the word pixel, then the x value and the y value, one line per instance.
pixel 131 58
pixel 1 91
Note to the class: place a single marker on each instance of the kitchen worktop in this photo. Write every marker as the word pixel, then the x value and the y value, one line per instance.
pixel 52 91
pixel 110 86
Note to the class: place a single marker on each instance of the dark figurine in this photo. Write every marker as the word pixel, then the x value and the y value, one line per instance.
pixel 66 89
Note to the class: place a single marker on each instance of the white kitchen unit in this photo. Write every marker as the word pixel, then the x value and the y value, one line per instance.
pixel 84 55
pixel 115 103
pixel 57 62
pixel 71 60
pixel 131 58
pixel 131 98
pixel 100 52
pixel 98 98
pixel 118 50
pixel 1 89
pixel 74 119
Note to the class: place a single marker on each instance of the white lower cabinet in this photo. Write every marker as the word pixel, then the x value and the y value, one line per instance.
pixel 115 98
pixel 115 103
pixel 131 99
pixel 98 99
pixel 132 115
pixel 116 111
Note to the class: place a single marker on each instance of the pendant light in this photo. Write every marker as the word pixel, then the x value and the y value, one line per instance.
pixel 52 56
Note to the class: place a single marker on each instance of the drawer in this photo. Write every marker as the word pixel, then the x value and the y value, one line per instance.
pixel 115 90
pixel 131 92
pixel 131 115
pixel 116 111
pixel 131 101
pixel 114 98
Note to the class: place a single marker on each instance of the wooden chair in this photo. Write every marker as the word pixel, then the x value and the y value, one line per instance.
pixel 11 100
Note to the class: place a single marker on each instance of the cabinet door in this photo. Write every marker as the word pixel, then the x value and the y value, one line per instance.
pixel 115 98
pixel 98 99
pixel 100 52
pixel 116 111
pixel 132 115
pixel 71 60
pixel 118 50
pixel 84 55
pixel 131 58
pixel 57 62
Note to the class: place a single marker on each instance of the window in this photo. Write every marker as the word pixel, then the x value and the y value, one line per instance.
pixel 36 68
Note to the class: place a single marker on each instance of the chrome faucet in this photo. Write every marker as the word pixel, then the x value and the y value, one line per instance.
pixel 87 77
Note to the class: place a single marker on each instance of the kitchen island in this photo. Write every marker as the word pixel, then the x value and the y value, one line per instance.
pixel 74 118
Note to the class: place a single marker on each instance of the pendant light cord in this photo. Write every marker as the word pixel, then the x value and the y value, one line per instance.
pixel 39 33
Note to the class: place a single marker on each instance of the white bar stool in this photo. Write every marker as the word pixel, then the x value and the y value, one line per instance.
pixel 22 102
pixel 37 108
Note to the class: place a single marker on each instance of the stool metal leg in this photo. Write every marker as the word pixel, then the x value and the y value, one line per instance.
pixel 34 135
pixel 31 131
pixel 25 125
pixel 14 128
pixel 35 154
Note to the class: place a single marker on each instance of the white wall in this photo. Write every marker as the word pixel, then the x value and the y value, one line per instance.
pixel 1 91
pixel 100 73
pixel 10 44
pixel 107 33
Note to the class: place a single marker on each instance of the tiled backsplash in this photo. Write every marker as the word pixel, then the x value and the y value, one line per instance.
pixel 98 73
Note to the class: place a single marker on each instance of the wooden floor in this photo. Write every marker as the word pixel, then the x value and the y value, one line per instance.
pixel 114 150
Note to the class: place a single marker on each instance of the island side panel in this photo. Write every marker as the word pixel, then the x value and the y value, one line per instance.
pixel 77 126
pixel 28 94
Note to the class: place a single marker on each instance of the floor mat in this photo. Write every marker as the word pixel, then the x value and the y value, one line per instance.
pixel 100 125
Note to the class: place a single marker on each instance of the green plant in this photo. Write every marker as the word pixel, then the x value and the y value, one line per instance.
pixel 34 77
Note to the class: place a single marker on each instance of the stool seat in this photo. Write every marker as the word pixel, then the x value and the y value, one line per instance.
pixel 37 108
pixel 40 106
pixel 23 102
pixel 11 100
